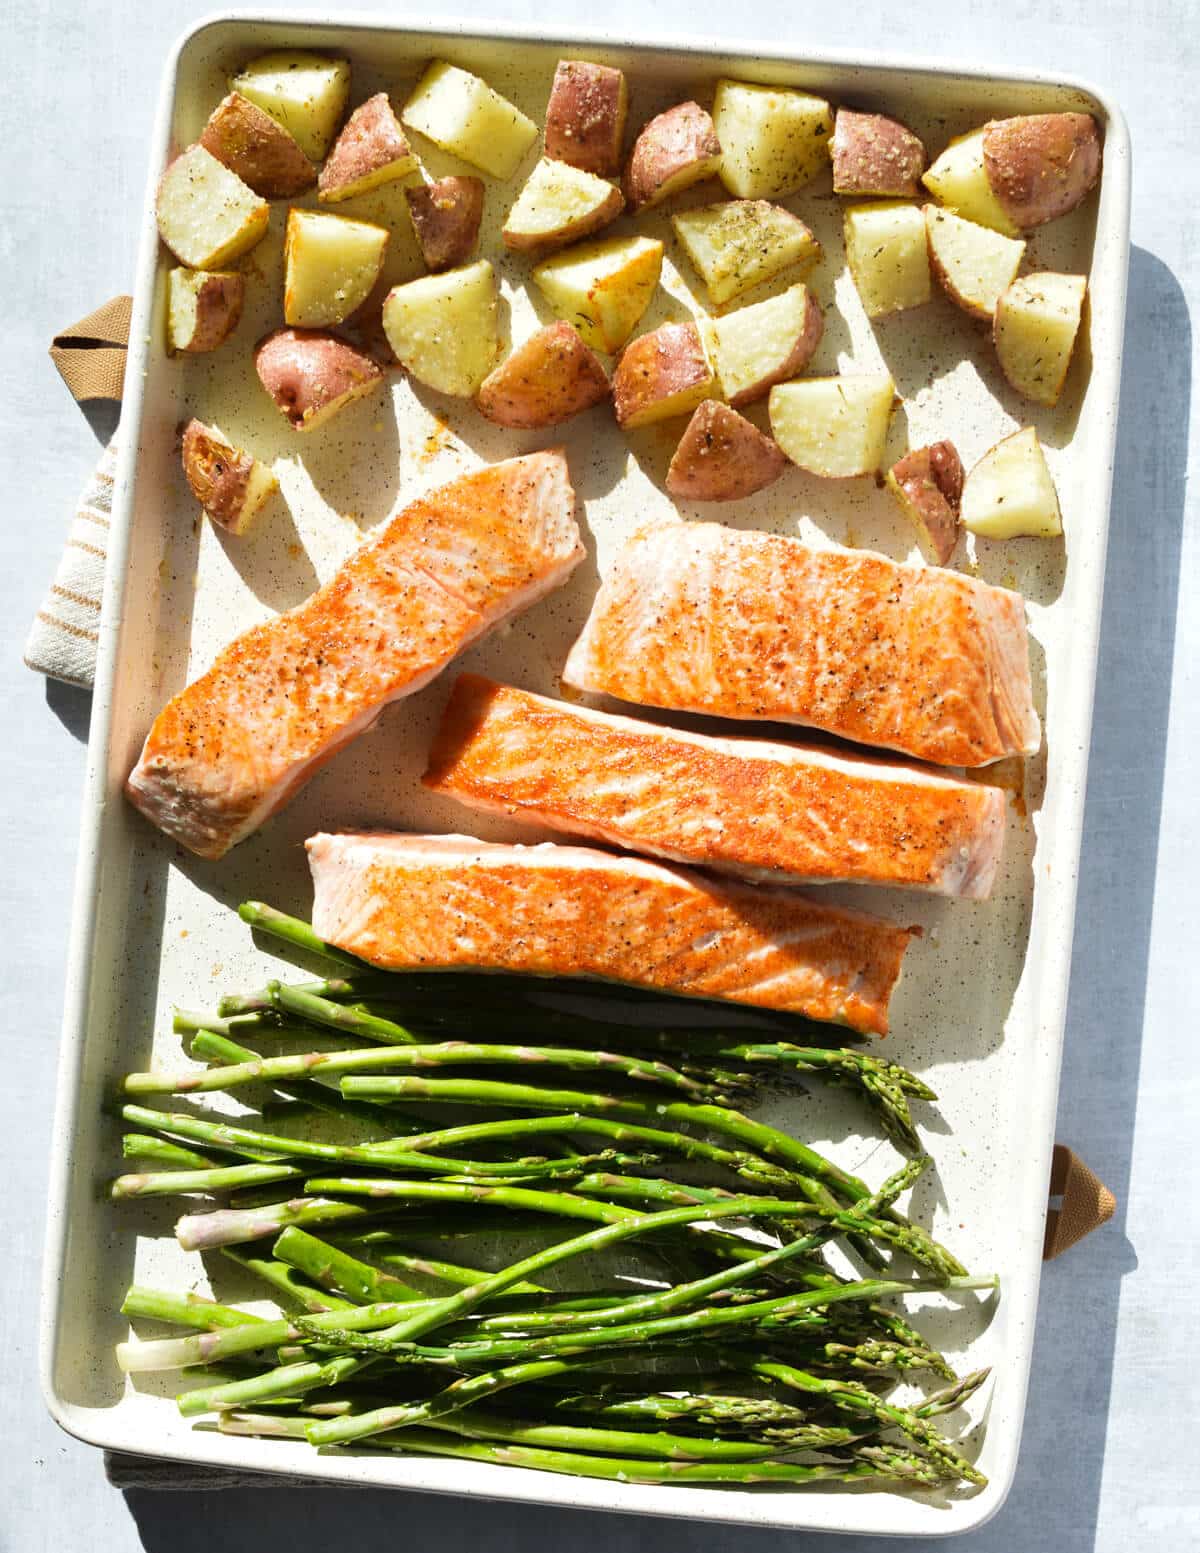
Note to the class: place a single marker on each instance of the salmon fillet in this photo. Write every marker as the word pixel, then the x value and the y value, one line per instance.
pixel 768 811
pixel 446 902
pixel 287 695
pixel 704 618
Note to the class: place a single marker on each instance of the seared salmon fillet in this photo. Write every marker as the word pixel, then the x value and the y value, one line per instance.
pixel 704 618
pixel 446 902
pixel 284 697
pixel 770 811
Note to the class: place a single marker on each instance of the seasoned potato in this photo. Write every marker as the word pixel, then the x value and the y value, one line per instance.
pixel 550 378
pixel 972 263
pixel 875 155
pixel 558 205
pixel 445 328
pixel 722 457
pixel 738 244
pixel 958 180
pixel 585 117
pixel 306 93
pixel 257 148
pixel 928 485
pixel 206 214
pixel 203 308
pixel 773 140
pixel 445 217
pixel 312 375
pixel 834 426
pixel 672 152
pixel 330 265
pixel 1040 166
pixel 602 288
pixel 1009 492
pixel 371 150
pixel 766 343
pixel 463 115
pixel 663 373
pixel 230 485
pixel 888 255
pixel 1036 323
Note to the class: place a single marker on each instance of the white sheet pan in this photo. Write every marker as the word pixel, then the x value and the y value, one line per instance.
pixel 981 1009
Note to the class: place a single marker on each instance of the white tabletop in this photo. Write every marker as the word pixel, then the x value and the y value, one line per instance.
pixel 1114 1416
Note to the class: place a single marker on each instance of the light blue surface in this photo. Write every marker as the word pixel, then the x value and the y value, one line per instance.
pixel 1113 1432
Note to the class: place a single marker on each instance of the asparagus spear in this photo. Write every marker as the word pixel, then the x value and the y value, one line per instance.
pixel 291 930
pixel 221 1178
pixel 286 1282
pixel 188 1310
pixel 332 1268
pixel 140 1145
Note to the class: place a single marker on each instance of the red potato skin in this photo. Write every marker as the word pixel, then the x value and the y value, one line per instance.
pixel 873 154
pixel 218 308
pixel 667 361
pixel 371 139
pixel 550 378
pixel 218 474
pixel 928 485
pixel 1042 165
pixel 666 146
pixel 446 216
pixel 310 374
pixel 261 152
pixel 722 457
pixel 801 353
pixel 585 117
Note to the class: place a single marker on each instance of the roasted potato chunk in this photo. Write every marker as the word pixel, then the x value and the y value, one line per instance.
pixel 311 375
pixel 973 264
pixel 773 140
pixel 585 117
pixel 928 484
pixel 203 308
pixel 1010 493
pixel 445 217
pixel 1036 324
pixel 738 244
pixel 873 154
pixel 722 457
pixel 834 426
pixel 1042 165
pixel 546 381
pixel 671 153
pixel 602 288
pixel 206 214
pixel 888 255
pixel 663 373
pixel 258 149
pixel 958 180
pixel 229 484
pixel 306 93
pixel 445 328
pixel 560 204
pixel 371 150
pixel 463 115
pixel 766 343
pixel 330 265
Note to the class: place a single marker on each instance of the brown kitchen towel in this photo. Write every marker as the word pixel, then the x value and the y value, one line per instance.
pixel 1086 1203
pixel 90 355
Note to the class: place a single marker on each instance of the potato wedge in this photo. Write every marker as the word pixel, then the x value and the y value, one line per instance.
pixel 722 457
pixel 888 255
pixel 1041 165
pixel 445 217
pixel 306 93
pixel 660 374
pixel 546 381
pixel 959 180
pixel 671 153
pixel 1034 331
pixel 1009 492
pixel 229 484
pixel 738 244
pixel 445 328
pixel 773 140
pixel 973 264
pixel 206 214
pixel 330 265
pixel 311 375
pixel 585 117
pixel 463 115
pixel 560 204
pixel 834 426
pixel 371 150
pixel 257 148
pixel 766 343
pixel 873 154
pixel 203 308
pixel 602 288
pixel 928 484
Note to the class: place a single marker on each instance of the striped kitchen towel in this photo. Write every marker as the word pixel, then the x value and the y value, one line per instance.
pixel 66 630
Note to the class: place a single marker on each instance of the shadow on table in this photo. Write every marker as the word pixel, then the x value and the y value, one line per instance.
pixel 1055 1498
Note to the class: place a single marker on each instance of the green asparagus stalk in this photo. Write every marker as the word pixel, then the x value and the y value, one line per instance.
pixel 187 1310
pixel 332 1268
pixel 284 1381
pixel 291 930
pixel 235 1226
pixel 286 1283
pixel 349 1020
pixel 477 1424
pixel 219 1179
pixel 140 1145
pixel 175 1353
pixel 267 1426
